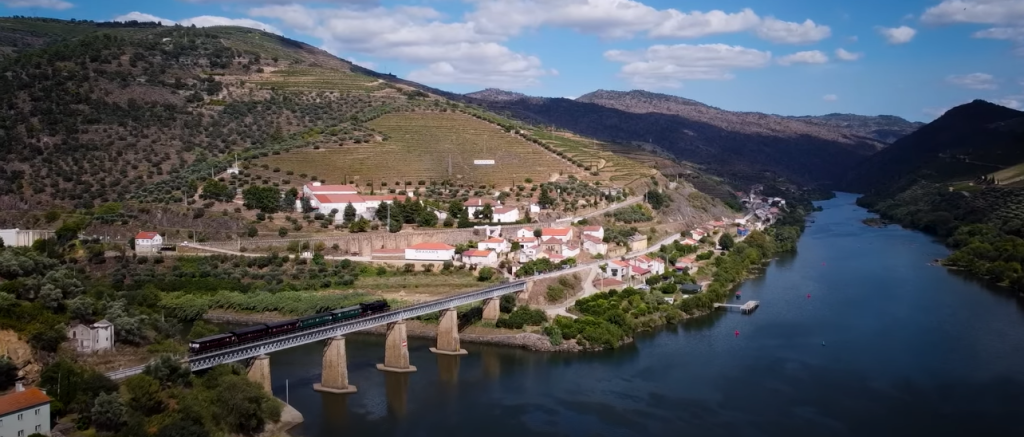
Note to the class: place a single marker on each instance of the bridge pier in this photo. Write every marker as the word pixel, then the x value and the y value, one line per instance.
pixel 448 334
pixel 259 372
pixel 396 350
pixel 334 377
pixel 492 309
pixel 524 296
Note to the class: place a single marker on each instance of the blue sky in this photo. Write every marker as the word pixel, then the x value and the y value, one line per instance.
pixel 912 58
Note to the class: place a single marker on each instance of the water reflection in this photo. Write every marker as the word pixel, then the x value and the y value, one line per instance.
pixel 491 362
pixel 335 411
pixel 396 387
pixel 448 369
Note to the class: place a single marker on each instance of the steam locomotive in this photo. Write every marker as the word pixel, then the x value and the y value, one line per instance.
pixel 266 330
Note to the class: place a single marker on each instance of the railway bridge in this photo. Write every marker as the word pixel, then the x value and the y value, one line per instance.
pixel 334 378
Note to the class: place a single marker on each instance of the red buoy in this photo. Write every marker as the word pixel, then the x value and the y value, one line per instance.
pixel 737 332
pixel 808 295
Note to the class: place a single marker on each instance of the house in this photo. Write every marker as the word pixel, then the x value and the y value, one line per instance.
pixel 686 263
pixel 637 242
pixel 697 234
pixel 655 265
pixel 594 245
pixel 524 232
pixel 314 188
pixel 480 257
pixel 617 270
pixel 441 215
pixel 594 231
pixel 563 234
pixel 570 250
pixel 639 272
pixel 553 257
pixel 525 242
pixel 506 214
pixel 552 245
pixel 22 237
pixel 365 206
pixel 527 254
pixel 148 242
pixel 96 337
pixel 430 252
pixel 534 207
pixel 689 242
pixel 496 244
pixel 474 204
pixel 609 284
pixel 24 412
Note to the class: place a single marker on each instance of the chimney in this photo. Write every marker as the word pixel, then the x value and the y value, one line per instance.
pixel 18 387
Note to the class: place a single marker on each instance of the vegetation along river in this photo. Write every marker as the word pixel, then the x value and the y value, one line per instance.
pixel 885 345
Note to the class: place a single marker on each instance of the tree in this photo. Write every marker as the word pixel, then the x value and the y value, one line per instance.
pixel 485 274
pixel 359 225
pixel 252 231
pixel 545 200
pixel 282 232
pixel 538 232
pixel 726 241
pixel 455 209
pixel 485 213
pixel 261 197
pixel 350 213
pixel 167 371
pixel 108 412
pixel 464 219
pixel 426 219
pixel 143 395
pixel 395 225
pixel 243 407
pixel 217 190
pixel 81 308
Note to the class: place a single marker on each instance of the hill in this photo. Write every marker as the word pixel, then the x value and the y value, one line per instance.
pixel 743 146
pixel 966 142
pixel 884 128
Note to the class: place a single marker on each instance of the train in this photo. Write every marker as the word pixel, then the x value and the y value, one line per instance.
pixel 262 331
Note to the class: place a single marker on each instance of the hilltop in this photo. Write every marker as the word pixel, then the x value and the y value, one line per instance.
pixel 884 128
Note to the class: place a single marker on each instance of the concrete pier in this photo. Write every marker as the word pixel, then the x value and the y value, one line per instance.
pixel 259 372
pixel 492 308
pixel 396 350
pixel 448 334
pixel 334 378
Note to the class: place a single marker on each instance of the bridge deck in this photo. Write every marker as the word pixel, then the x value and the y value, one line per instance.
pixel 319 333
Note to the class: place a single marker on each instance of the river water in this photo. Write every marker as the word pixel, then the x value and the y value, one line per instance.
pixel 885 345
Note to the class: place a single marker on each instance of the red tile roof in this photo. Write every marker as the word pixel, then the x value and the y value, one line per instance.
pixel 504 210
pixel 338 198
pixel 384 197
pixel 477 252
pixel 690 242
pixel 22 400
pixel 476 201
pixel 431 246
pixel 555 232
pixel 494 240
pixel 146 235
pixel 527 239
pixel 608 282
pixel 593 239
pixel 551 240
pixel 639 271
pixel 644 259
pixel 592 229
pixel 619 263
pixel 554 256
pixel 332 188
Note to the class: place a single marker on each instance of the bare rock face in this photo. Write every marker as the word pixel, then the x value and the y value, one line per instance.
pixel 20 353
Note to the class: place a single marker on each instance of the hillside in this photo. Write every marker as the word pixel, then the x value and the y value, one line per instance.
pixel 145 115
pixel 743 146
pixel 884 128
pixel 966 142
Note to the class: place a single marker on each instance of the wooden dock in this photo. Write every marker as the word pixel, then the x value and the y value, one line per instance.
pixel 746 308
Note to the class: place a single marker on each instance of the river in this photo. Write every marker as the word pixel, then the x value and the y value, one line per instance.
pixel 885 345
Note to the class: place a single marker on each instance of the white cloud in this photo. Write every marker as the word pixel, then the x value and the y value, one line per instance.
pixel 59 5
pixel 627 18
pixel 976 81
pixel 282 2
pixel 852 38
pixel 807 57
pixel 830 97
pixel 365 64
pixel 1015 102
pixel 664 66
pixel 785 32
pixel 897 35
pixel 570 97
pixel 1007 33
pixel 449 52
pixel 848 56
pixel 975 11
pixel 200 21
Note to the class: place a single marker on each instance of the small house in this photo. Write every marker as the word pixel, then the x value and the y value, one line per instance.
pixel 506 214
pixel 563 234
pixel 96 337
pixel 637 242
pixel 697 234
pixel 552 245
pixel 496 244
pixel 594 245
pixel 148 242
pixel 430 252
pixel 617 270
pixel 594 231
pixel 524 233
pixel 570 250
pixel 24 412
pixel 480 257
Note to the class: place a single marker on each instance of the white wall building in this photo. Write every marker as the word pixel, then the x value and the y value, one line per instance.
pixel 506 214
pixel 524 232
pixel 496 244
pixel 96 337
pixel 22 237
pixel 527 254
pixel 318 188
pixel 480 257
pixel 474 204
pixel 617 270
pixel 570 250
pixel 534 208
pixel 365 206
pixel 697 234
pixel 148 242
pixel 594 245
pixel 24 412
pixel 655 265
pixel 430 252
pixel 596 231
pixel 563 234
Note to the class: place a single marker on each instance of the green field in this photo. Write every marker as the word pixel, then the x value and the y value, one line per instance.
pixel 314 79
pixel 420 147
pixel 606 158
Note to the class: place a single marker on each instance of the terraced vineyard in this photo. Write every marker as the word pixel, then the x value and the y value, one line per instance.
pixel 313 79
pixel 419 148
pixel 605 158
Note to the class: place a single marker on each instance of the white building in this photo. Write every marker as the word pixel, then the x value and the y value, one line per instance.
pixel 527 254
pixel 594 245
pixel 506 214
pixel 524 232
pixel 655 265
pixel 496 244
pixel 24 412
pixel 697 234
pixel 430 252
pixel 480 257
pixel 148 242
pixel 563 234
pixel 96 337
pixel 617 270
pixel 690 242
pixel 596 231
pixel 474 204
pixel 534 207
pixel 570 250
pixel 318 188
pixel 365 206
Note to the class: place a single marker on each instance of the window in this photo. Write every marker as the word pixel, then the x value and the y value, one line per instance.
pixel 21 433
pixel 37 411
pixel 39 428
pixel 20 416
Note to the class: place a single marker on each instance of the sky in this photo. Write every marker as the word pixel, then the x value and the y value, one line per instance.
pixel 911 58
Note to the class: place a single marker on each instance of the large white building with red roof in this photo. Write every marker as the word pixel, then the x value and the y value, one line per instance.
pixel 318 188
pixel 25 411
pixel 430 252
pixel 506 214
pixel 596 231
pixel 365 205
pixel 563 234
pixel 147 241
pixel 496 244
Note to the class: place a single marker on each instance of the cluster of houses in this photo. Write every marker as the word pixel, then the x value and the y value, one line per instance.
pixel 765 209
